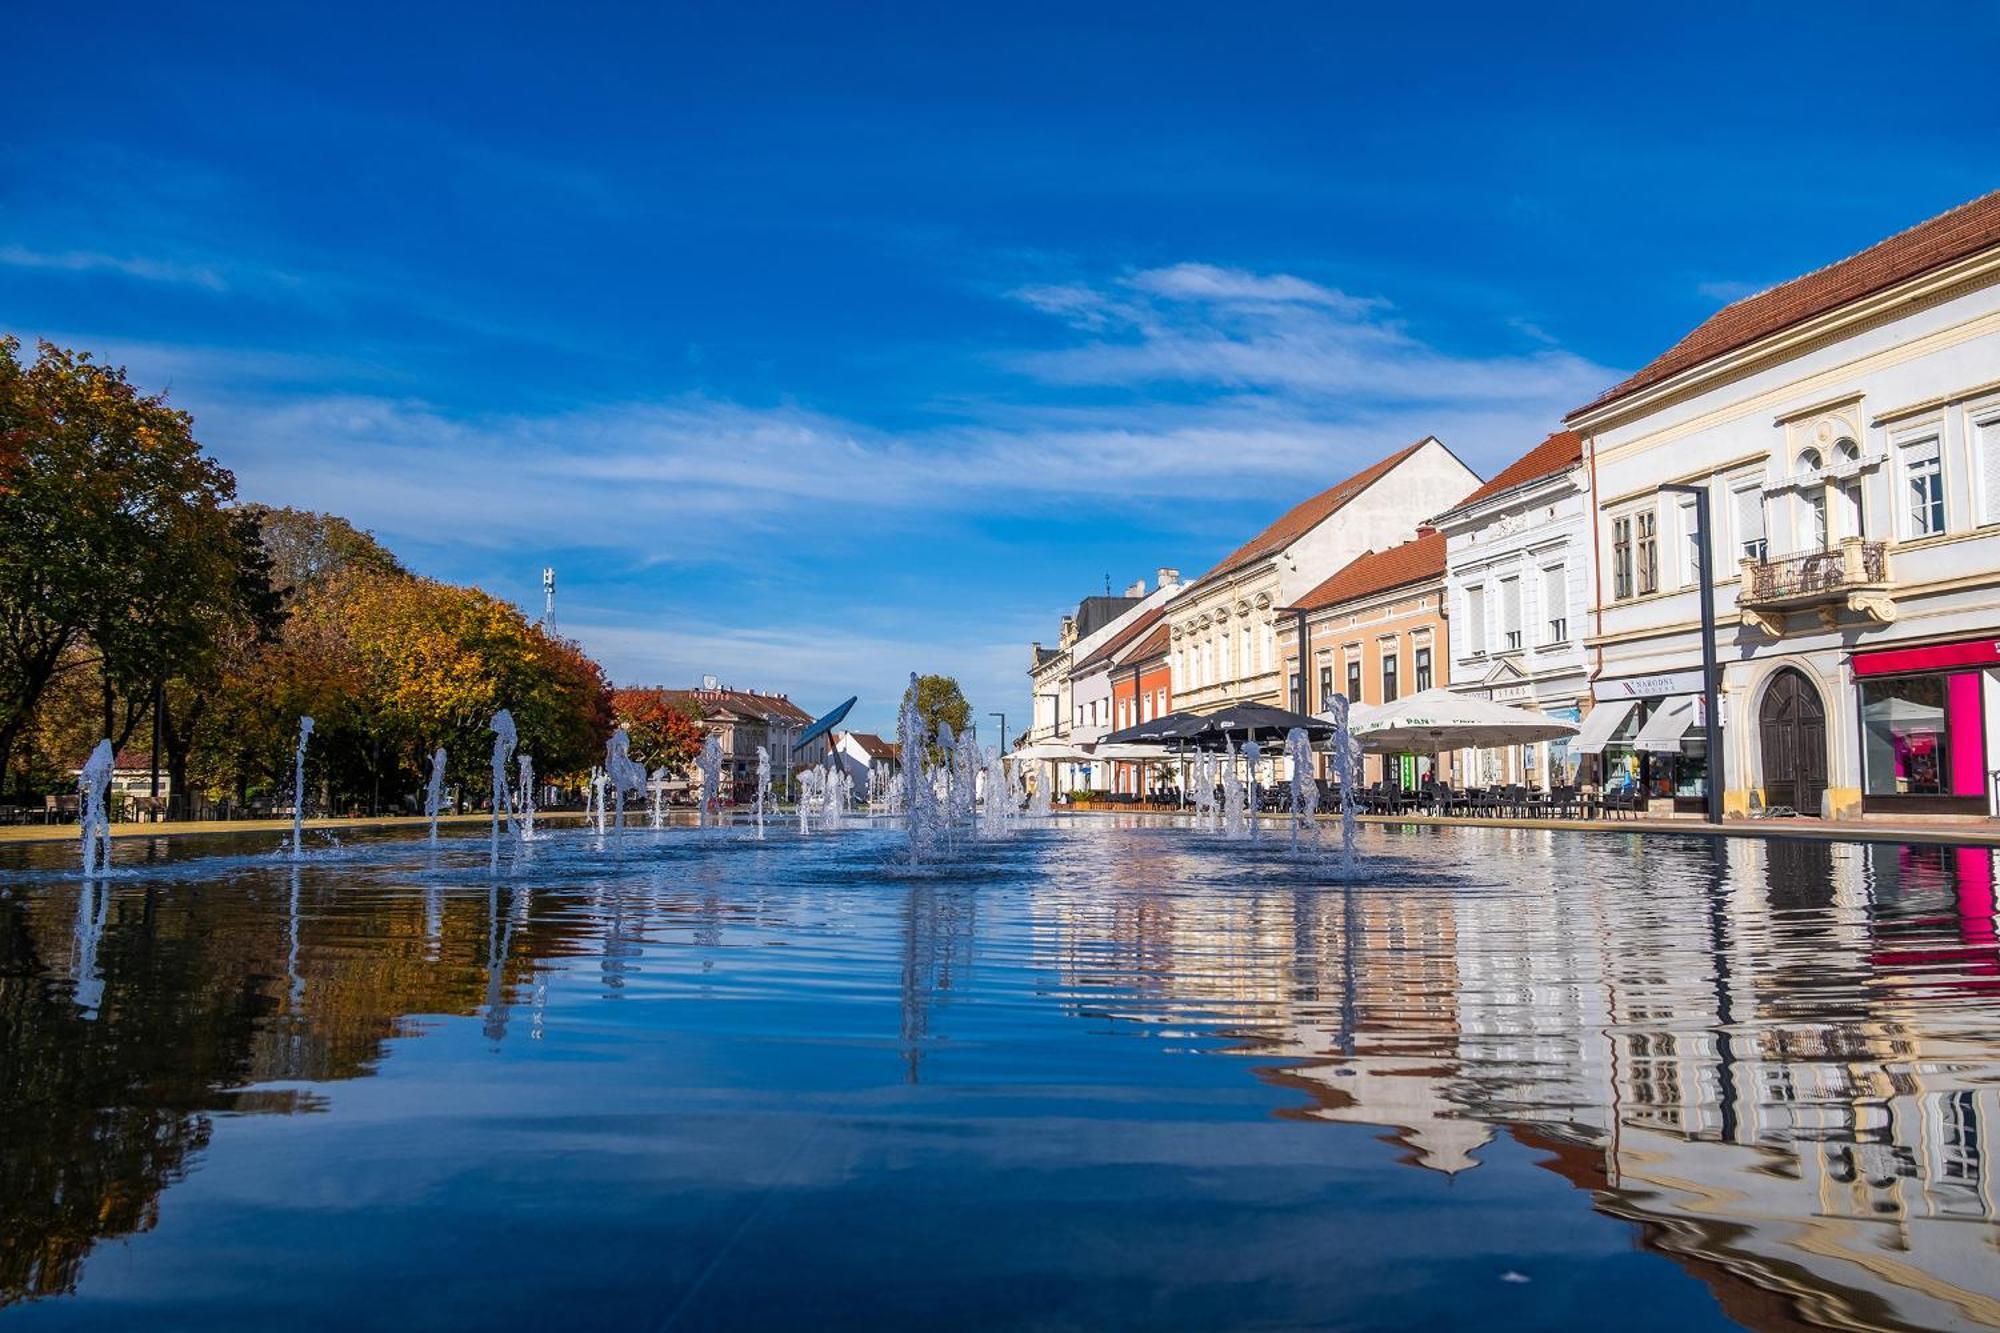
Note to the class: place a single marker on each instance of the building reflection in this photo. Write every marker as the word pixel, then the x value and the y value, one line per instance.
pixel 1775 1057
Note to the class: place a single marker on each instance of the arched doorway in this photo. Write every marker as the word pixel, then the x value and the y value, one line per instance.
pixel 1792 723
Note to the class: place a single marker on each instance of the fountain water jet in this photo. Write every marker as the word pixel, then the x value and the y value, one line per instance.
pixel 711 781
pixel 525 796
pixel 1232 794
pixel 763 785
pixel 1253 754
pixel 504 741
pixel 623 772
pixel 434 791
pixel 1305 791
pixel 1343 773
pixel 93 792
pixel 299 788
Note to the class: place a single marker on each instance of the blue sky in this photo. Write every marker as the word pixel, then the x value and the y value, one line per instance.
pixel 814 345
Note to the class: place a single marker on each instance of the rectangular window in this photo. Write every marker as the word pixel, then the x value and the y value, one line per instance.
pixel 1750 543
pixel 1243 663
pixel 1389 678
pixel 1423 673
pixel 1510 612
pixel 1325 682
pixel 1354 680
pixel 1986 453
pixel 1621 558
pixel 1292 699
pixel 1555 605
pixel 1646 550
pixel 1475 621
pixel 1691 544
pixel 1923 479
pixel 1904 748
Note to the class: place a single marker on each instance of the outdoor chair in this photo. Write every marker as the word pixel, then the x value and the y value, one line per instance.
pixel 1621 802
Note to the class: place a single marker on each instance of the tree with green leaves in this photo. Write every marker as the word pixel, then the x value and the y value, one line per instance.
pixel 118 552
pixel 940 703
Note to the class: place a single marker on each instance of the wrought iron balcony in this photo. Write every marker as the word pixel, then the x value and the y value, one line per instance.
pixel 1854 575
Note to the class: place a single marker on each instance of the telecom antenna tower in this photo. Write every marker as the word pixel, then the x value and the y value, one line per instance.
pixel 548 597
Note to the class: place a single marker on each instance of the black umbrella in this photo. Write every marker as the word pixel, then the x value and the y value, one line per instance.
pixel 1254 722
pixel 1166 730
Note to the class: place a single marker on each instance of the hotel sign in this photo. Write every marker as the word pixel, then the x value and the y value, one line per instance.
pixel 1648 687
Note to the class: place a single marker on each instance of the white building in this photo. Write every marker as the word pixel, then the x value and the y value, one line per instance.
pixel 1074 708
pixel 1518 583
pixel 1846 427
pixel 1224 625
pixel 868 760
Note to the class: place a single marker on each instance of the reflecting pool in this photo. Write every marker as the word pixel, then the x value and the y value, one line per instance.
pixel 1100 1073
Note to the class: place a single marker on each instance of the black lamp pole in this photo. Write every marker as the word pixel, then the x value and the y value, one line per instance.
pixel 1003 730
pixel 1711 672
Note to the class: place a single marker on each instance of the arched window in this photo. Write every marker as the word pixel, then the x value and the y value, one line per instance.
pixel 1814 533
pixel 1852 513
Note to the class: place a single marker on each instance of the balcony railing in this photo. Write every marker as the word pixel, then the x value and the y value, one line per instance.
pixel 1854 574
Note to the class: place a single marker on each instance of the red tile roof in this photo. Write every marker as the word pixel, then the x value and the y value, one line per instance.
pixel 1139 625
pixel 1561 450
pixel 1303 517
pixel 1154 645
pixel 765 708
pixel 1965 230
pixel 1379 571
pixel 874 746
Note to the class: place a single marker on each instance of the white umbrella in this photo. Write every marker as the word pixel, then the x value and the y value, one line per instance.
pixel 1436 720
pixel 1131 752
pixel 1052 752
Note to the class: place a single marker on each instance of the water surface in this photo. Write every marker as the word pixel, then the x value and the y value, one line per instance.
pixel 1101 1074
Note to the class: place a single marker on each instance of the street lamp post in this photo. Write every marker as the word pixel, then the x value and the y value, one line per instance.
pixel 1711 672
pixel 1003 730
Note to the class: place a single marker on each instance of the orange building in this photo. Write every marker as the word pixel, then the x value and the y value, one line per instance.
pixel 1141 690
pixel 1374 632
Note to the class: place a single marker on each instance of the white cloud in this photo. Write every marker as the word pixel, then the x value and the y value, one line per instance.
pixel 89 261
pixel 1207 282
pixel 1218 328
pixel 1725 291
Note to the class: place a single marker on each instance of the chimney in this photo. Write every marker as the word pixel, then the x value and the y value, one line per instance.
pixel 1169 577
pixel 1068 635
pixel 1138 588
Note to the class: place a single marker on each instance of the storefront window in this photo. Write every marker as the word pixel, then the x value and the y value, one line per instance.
pixel 1905 739
pixel 1660 775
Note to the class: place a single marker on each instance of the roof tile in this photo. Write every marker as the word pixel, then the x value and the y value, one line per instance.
pixel 1378 571
pixel 1561 450
pixel 1965 230
pixel 1303 517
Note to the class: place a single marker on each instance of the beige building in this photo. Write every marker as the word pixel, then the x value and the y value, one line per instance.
pixel 1225 625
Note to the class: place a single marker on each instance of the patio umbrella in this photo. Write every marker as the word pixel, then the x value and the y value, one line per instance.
pixel 1438 720
pixel 1052 752
pixel 1164 730
pixel 1255 722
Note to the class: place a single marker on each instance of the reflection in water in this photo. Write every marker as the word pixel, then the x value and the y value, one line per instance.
pixel 1775 1060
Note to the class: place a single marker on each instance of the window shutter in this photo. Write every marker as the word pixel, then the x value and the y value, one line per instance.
pixel 1986 440
pixel 1749 518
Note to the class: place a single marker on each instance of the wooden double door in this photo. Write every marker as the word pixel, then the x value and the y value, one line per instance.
pixel 1792 728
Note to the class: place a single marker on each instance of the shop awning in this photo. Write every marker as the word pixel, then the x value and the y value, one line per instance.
pixel 1597 728
pixel 1669 723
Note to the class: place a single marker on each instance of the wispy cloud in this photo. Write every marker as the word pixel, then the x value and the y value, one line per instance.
pixel 1230 329
pixel 1724 291
pixel 90 261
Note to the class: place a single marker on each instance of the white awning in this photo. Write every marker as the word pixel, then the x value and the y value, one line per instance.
pixel 1669 723
pixel 1598 726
